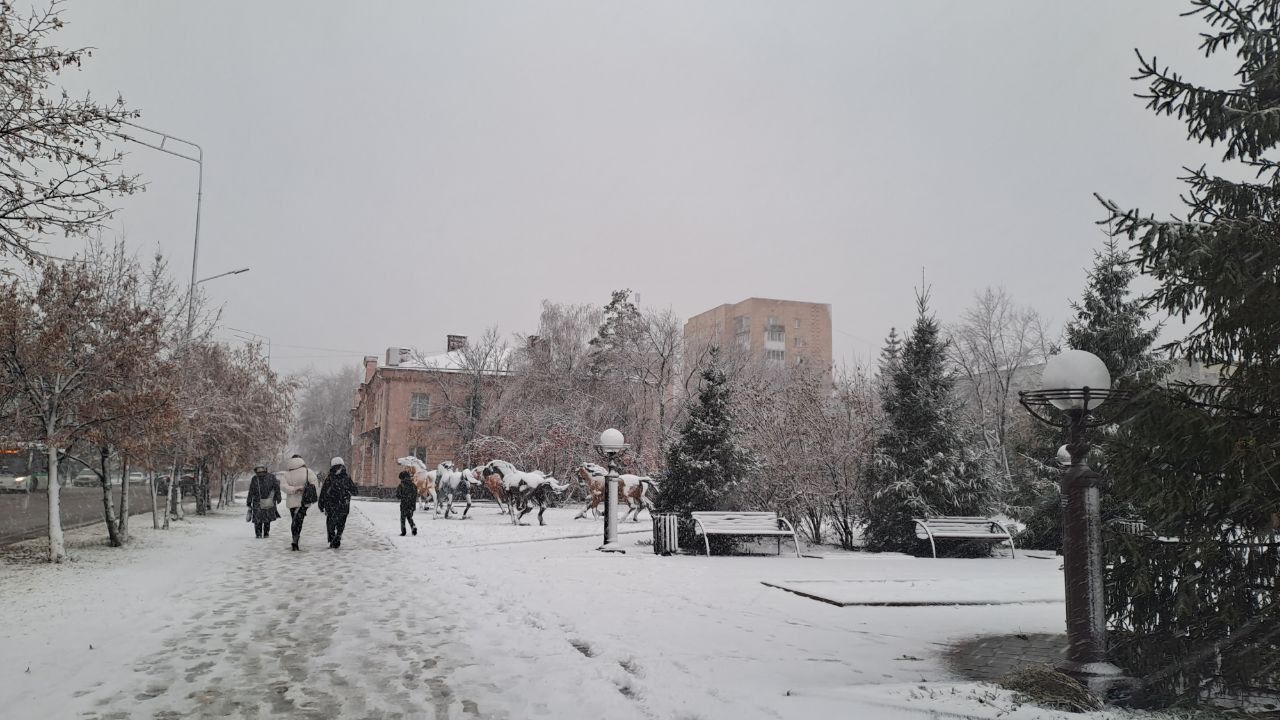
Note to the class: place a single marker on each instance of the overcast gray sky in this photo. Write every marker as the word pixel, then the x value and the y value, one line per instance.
pixel 396 171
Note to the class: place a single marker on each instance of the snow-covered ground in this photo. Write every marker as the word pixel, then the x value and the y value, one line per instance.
pixel 478 618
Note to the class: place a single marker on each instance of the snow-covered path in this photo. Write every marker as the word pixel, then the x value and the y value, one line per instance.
pixel 244 628
pixel 478 618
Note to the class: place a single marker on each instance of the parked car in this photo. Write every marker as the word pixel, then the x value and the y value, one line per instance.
pixel 137 477
pixel 186 485
pixel 86 478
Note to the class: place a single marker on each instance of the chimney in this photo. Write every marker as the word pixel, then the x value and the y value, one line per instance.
pixel 456 342
pixel 397 356
pixel 370 365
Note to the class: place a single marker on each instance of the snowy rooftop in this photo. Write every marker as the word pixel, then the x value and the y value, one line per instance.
pixel 452 361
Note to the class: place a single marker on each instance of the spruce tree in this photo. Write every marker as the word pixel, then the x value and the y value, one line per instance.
pixel 1110 323
pixel 1198 460
pixel 890 353
pixel 922 464
pixel 708 460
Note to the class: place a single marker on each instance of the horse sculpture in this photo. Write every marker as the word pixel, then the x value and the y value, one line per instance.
pixel 423 479
pixel 632 489
pixel 522 488
pixel 451 482
pixel 493 483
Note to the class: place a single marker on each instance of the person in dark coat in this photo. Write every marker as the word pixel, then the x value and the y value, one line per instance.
pixel 335 500
pixel 407 494
pixel 264 490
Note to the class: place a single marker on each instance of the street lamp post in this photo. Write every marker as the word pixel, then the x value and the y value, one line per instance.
pixel 611 444
pixel 198 159
pixel 1075 383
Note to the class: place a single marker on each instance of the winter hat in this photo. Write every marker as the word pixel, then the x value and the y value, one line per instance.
pixel 336 462
pixel 404 475
pixel 259 468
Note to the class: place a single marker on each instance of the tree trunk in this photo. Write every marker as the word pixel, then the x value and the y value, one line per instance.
pixel 124 498
pixel 169 512
pixel 108 511
pixel 57 547
pixel 155 504
pixel 199 491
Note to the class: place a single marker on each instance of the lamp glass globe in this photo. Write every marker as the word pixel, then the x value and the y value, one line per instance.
pixel 1073 370
pixel 611 440
pixel 1064 456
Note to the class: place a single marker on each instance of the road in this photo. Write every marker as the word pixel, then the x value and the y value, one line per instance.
pixel 26 515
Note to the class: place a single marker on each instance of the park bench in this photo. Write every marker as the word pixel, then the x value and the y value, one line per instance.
pixel 763 524
pixel 962 528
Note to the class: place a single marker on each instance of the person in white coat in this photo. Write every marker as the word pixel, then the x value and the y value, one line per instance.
pixel 293 482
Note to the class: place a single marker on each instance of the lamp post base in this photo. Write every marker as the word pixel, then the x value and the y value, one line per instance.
pixel 612 547
pixel 1104 680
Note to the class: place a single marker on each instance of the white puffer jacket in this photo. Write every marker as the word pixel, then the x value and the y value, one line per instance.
pixel 294 480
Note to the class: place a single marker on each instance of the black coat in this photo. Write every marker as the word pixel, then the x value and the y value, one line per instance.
pixel 262 487
pixel 337 491
pixel 407 492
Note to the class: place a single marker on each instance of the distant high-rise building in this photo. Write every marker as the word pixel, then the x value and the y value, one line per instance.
pixel 787 332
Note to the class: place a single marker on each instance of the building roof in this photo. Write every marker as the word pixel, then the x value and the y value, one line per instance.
pixel 453 361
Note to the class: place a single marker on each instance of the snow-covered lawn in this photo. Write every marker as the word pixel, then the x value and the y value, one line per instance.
pixel 478 618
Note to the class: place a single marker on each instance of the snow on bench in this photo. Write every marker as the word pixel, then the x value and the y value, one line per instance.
pixel 962 528
pixel 744 523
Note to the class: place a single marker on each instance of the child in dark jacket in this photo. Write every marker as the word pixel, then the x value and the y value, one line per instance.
pixel 407 494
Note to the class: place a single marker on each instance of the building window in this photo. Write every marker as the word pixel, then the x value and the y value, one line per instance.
pixel 775 332
pixel 773 355
pixel 419 452
pixel 420 406
pixel 797 323
pixel 744 342
pixel 797 342
pixel 742 324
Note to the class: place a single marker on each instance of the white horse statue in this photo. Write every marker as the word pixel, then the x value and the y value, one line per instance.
pixel 521 487
pixel 451 482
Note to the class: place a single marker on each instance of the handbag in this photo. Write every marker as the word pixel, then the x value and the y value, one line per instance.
pixel 266 503
pixel 248 515
pixel 309 494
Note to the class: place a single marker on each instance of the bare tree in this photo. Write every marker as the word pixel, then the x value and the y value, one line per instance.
pixel 471 384
pixel 67 345
pixel 992 348
pixel 323 426
pixel 55 171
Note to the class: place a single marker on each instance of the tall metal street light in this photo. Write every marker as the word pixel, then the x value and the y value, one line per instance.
pixel 198 159
pixel 611 444
pixel 1074 383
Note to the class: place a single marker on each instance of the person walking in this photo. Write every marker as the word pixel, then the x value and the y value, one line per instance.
pixel 335 500
pixel 407 494
pixel 264 495
pixel 301 488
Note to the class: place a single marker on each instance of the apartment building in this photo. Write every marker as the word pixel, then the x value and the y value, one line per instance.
pixel 786 332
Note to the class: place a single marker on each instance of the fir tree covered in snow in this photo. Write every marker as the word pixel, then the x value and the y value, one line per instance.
pixel 1109 322
pixel 890 353
pixel 1198 460
pixel 708 459
pixel 923 465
